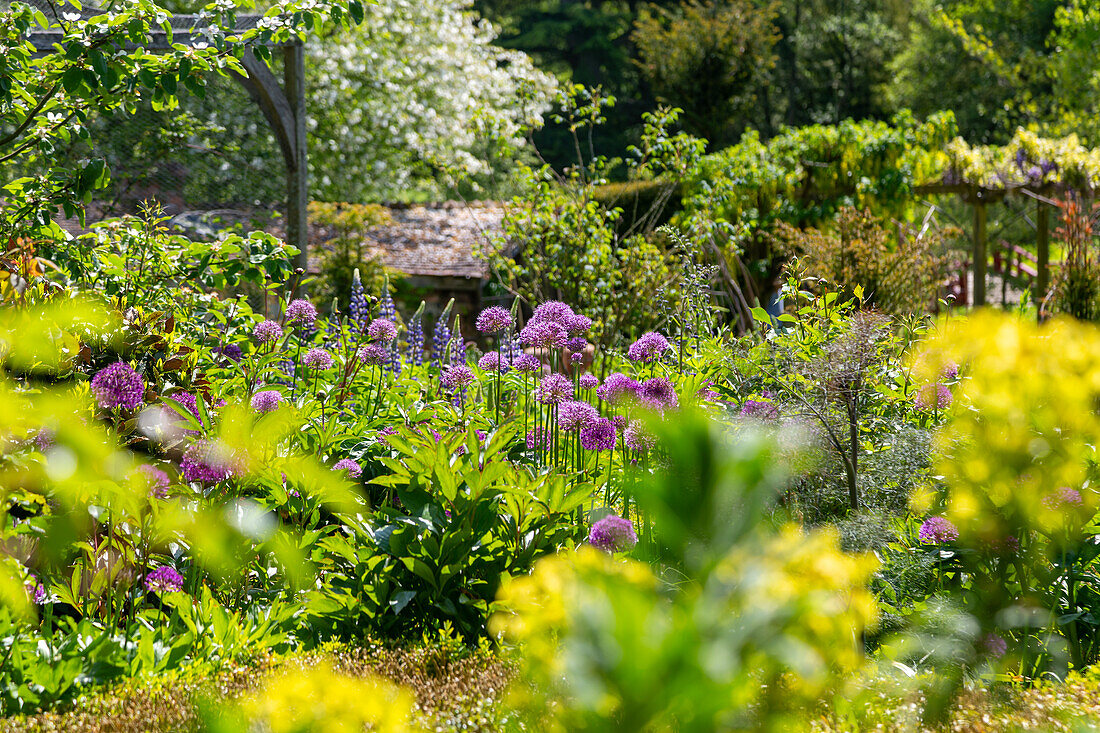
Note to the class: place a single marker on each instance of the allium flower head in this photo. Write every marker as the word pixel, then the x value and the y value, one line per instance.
pixel 538 439
pixel 230 351
pixel 577 344
pixel 760 409
pixel 994 645
pixel 588 381
pixel 1063 497
pixel 553 311
pixel 554 389
pixel 373 354
pixel 301 312
pixel 382 331
pixel 267 331
pixel 649 348
pixel 118 386
pixel 577 324
pixel 937 531
pixel 164 580
pixel 544 334
pixel 574 415
pixel 266 401
pixel 613 534
pixel 618 388
pixel 35 590
pixel 346 464
pixel 637 437
pixel 527 363
pixel 156 480
pixel 457 377
pixel 598 435
pixel 658 393
pixel 950 371
pixel 494 319
pixel 933 397
pixel 491 362
pixel 206 462
pixel 318 359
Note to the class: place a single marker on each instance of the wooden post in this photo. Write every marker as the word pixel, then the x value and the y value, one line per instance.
pixel 1042 225
pixel 979 252
pixel 297 194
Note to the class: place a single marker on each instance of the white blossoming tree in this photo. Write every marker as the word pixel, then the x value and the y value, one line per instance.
pixel 417 89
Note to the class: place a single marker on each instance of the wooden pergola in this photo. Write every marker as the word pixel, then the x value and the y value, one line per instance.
pixel 283 104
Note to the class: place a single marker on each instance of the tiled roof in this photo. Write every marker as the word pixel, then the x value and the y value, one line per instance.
pixel 435 240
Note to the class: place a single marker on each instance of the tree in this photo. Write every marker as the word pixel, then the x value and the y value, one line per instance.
pixel 709 58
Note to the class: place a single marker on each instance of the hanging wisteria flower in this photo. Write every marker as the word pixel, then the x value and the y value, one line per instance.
pixel 346 464
pixel 267 331
pixel 648 348
pixel 544 335
pixel 617 388
pixel 573 415
pixel 598 435
pixel 156 480
pixel 317 359
pixel 937 531
pixel 553 311
pixel 637 438
pixel 613 534
pixel 760 409
pixel 576 324
pixel 494 319
pixel 206 462
pixel 538 439
pixel 118 386
pixel 373 354
pixel 994 645
pixel 164 580
pixel 554 389
pixel 301 312
pixel 588 381
pixel 35 590
pixel 491 361
pixel 457 377
pixel 527 363
pixel 933 397
pixel 266 401
pixel 576 344
pixel 658 393
pixel 1063 497
pixel 382 330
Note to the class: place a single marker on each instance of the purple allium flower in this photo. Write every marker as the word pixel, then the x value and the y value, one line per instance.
pixel 266 401
pixel 317 359
pixel 373 354
pixel 598 435
pixel 637 438
pixel 761 409
pixel 554 389
pixel 382 330
pixel 206 462
pixel 302 312
pixel 937 531
pixel 619 421
pixel 526 363
pixel 573 415
pixel 538 439
pixel 648 348
pixel 267 331
pixel 35 590
pixel 494 319
pixel 950 371
pixel 618 387
pixel 933 397
pixel 456 377
pixel 118 386
pixel 576 358
pixel 994 645
pixel 44 439
pixel 346 464
pixel 577 324
pixel 707 394
pixel 613 534
pixel 544 334
pixel 491 361
pixel 588 381
pixel 577 344
pixel 1063 497
pixel 358 308
pixel 658 393
pixel 164 580
pixel 552 311
pixel 230 351
pixel 156 480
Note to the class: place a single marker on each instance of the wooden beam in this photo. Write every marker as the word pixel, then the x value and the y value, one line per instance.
pixel 267 93
pixel 297 195
pixel 1042 226
pixel 980 254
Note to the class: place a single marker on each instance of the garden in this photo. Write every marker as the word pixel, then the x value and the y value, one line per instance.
pixel 777 408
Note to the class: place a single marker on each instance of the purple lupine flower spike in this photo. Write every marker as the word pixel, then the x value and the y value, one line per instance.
pixel 358 307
